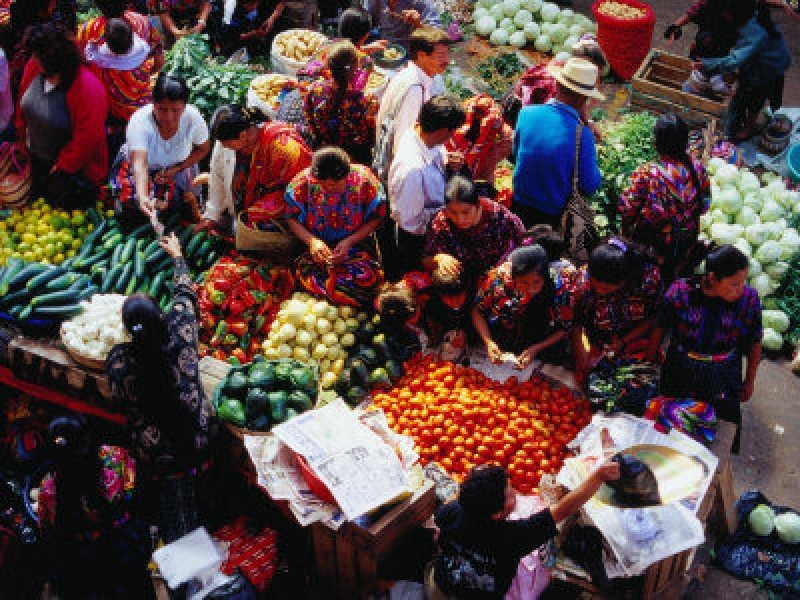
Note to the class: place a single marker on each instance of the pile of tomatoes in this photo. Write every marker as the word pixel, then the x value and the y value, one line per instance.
pixel 460 418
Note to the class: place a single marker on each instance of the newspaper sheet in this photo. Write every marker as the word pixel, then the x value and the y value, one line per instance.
pixel 360 470
pixel 643 536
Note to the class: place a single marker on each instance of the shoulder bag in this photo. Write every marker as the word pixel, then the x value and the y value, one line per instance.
pixel 577 222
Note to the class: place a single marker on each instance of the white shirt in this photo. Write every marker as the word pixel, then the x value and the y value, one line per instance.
pixel 407 81
pixel 220 184
pixel 416 183
pixel 142 134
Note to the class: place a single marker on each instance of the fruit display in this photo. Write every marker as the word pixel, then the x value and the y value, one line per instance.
pixel 300 45
pixel 621 11
pixel 43 292
pixel 134 262
pixel 271 87
pixel 97 329
pixel 459 418
pixel 264 393
pixel 238 303
pixel 41 233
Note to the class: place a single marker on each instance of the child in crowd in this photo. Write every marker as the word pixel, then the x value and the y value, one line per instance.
pixel 479 549
pixel 397 306
pixel 553 244
pixel 447 314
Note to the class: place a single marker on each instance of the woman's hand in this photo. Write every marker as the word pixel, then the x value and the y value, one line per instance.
pixel 148 207
pixel 164 176
pixel 449 265
pixel 171 245
pixel 494 352
pixel 526 358
pixel 342 250
pixel 412 17
pixel 608 471
pixel 320 252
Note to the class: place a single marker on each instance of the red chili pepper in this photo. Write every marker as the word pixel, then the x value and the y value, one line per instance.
pixel 240 355
pixel 236 307
pixel 219 355
pixel 255 346
pixel 237 327
pixel 248 298
pixel 223 285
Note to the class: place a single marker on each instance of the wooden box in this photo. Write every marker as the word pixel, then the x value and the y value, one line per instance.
pixel 347 560
pixel 656 87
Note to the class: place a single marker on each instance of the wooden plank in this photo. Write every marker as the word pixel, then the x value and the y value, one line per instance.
pixel 680 98
pixel 727 498
pixel 661 106
pixel 673 60
pixel 668 72
pixel 324 545
pixel 645 66
pixel 397 522
pixel 347 585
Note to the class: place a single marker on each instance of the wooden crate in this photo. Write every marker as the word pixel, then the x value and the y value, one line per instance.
pixel 347 560
pixel 656 87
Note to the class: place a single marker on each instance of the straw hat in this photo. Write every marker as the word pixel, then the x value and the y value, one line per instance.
pixel 580 76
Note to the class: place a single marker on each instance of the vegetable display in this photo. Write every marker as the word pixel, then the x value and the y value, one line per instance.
pixel 626 144
pixel 761 520
pixel 300 45
pixel 44 234
pixel 458 418
pixel 39 291
pixel 787 526
pixel 621 11
pixel 756 216
pixel 134 262
pixel 238 303
pixel 265 393
pixel 97 329
pixel 523 22
pixel 499 72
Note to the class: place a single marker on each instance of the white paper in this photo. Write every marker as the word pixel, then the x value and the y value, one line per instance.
pixel 358 468
pixel 193 555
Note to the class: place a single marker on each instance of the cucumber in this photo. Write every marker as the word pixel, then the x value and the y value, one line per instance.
pixel 88 291
pixel 61 297
pixel 116 254
pixel 156 256
pixel 13 266
pixel 16 310
pixel 95 234
pixel 67 264
pixel 144 285
pixel 127 251
pixel 213 257
pixel 24 275
pixel 151 248
pixel 185 235
pixel 25 313
pixel 132 285
pixel 204 252
pixel 80 283
pixel 94 217
pixel 95 259
pixel 99 275
pixel 41 279
pixel 111 278
pixel 62 282
pixel 141 230
pixel 64 311
pixel 157 284
pixel 122 282
pixel 16 298
pixel 138 264
pixel 163 264
pixel 195 243
pixel 164 304
pixel 113 241
pixel 110 232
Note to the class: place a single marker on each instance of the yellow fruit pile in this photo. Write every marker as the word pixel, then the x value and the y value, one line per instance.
pixel 41 233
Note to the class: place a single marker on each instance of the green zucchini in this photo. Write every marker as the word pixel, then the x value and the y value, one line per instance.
pixel 122 282
pixel 113 241
pixel 24 275
pixel 131 287
pixel 204 251
pixel 141 230
pixel 95 234
pixel 64 311
pixel 157 284
pixel 156 256
pixel 88 291
pixel 21 296
pixel 110 280
pixel 13 266
pixel 165 264
pixel 116 254
pixel 25 313
pixel 42 278
pixel 151 248
pixel 61 297
pixel 138 264
pixel 62 282
pixel 127 251
pixel 183 238
pixel 195 243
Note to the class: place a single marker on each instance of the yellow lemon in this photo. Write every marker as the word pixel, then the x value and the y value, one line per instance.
pixel 58 259
pixel 29 256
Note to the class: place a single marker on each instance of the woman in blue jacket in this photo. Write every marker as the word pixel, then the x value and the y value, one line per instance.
pixel 761 58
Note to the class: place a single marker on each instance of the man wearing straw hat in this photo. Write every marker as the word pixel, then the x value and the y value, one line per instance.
pixel 545 147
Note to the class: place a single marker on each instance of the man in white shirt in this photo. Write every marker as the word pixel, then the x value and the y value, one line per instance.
pixel 417 179
pixel 409 89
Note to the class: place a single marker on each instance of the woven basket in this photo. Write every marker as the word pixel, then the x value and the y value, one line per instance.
pixel 276 243
pixel 625 42
pixel 15 176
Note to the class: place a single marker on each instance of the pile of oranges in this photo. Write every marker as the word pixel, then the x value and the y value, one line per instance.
pixel 460 418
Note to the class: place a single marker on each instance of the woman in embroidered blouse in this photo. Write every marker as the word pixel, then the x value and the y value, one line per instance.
pixel 267 158
pixel 337 114
pixel 514 310
pixel 617 302
pixel 661 207
pixel 334 207
pixel 156 378
pixel 84 513
pixel 470 233
pixel 715 320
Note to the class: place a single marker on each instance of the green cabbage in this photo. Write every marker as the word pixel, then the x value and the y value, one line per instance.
pixel 777 270
pixel 523 17
pixel 747 216
pixel 729 201
pixel 773 341
pixel 756 234
pixel 771 211
pixel 744 246
pixel 542 43
pixel 769 252
pixel 518 39
pixel 549 11
pixel 486 25
pixel 761 520
pixel 531 31
pixel 762 284
pixel 499 37
pixel 510 7
pixel 787 526
pixel 775 319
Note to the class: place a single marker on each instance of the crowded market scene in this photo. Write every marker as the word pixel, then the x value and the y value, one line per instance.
pixel 399 299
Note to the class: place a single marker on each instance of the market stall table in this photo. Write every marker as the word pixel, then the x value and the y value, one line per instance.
pixel 667 578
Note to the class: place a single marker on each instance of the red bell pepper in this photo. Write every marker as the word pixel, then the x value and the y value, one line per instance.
pixel 237 327
pixel 219 354
pixel 221 284
pixel 239 355
pixel 236 307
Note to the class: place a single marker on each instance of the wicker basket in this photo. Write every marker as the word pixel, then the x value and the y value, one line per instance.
pixel 92 364
pixel 275 243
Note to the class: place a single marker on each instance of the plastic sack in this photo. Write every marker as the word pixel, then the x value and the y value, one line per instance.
pixel 531 580
pixel 766 559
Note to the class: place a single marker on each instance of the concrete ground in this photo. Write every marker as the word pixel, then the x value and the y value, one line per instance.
pixel 771 430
